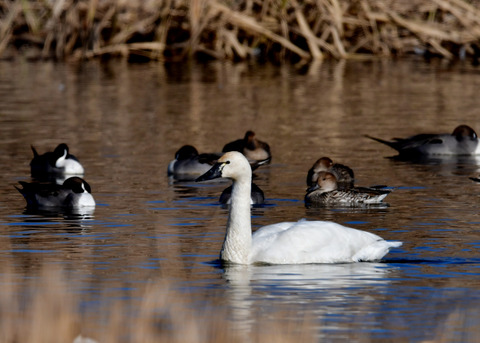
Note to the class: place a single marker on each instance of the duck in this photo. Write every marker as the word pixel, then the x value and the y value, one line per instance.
pixel 189 164
pixel 344 175
pixel 57 162
pixel 74 193
pixel 297 242
pixel 462 141
pixel 256 151
pixel 257 197
pixel 326 192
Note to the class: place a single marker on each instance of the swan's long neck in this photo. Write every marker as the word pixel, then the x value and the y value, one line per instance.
pixel 238 239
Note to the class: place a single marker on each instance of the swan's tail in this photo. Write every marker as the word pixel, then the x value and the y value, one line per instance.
pixel 395 244
pixel 375 251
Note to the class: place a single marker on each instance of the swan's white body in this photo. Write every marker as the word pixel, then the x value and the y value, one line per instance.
pixel 288 242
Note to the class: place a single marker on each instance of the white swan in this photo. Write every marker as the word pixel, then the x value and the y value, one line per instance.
pixel 288 242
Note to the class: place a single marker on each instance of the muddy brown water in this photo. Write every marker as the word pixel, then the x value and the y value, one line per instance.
pixel 125 122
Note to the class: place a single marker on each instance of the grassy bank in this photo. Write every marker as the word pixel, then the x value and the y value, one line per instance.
pixel 276 30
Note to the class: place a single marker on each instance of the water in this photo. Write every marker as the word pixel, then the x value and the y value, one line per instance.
pixel 125 122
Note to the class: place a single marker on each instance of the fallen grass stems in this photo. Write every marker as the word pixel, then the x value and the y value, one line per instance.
pixel 291 30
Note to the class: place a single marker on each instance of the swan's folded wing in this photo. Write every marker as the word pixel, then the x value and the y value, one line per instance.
pixel 272 229
pixel 310 242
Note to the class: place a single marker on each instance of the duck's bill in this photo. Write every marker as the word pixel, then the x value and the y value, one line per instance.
pixel 254 164
pixel 214 173
pixel 312 188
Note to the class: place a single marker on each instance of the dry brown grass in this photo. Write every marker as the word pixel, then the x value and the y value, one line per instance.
pixel 239 29
pixel 47 310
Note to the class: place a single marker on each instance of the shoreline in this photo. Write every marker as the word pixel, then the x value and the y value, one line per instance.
pixel 287 31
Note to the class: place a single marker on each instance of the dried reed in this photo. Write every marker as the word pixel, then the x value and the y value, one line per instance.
pixel 240 29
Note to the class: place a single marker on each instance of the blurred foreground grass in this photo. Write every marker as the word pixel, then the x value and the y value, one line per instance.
pixel 47 310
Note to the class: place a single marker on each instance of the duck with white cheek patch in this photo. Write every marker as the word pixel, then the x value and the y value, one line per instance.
pixel 74 193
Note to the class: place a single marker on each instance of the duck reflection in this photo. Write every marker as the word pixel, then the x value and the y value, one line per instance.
pixel 328 212
pixel 442 165
pixel 69 221
pixel 41 235
pixel 439 159
pixel 69 214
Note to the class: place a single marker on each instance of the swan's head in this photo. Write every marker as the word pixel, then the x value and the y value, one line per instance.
pixel 233 165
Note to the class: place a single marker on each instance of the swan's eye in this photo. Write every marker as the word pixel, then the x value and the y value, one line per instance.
pixel 227 162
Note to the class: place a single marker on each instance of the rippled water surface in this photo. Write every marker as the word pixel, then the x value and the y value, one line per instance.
pixel 125 123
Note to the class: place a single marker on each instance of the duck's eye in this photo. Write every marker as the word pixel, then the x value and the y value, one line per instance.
pixel 227 162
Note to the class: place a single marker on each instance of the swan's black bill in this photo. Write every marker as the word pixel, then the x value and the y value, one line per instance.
pixel 214 173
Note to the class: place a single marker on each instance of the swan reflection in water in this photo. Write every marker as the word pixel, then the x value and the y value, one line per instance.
pixel 319 290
